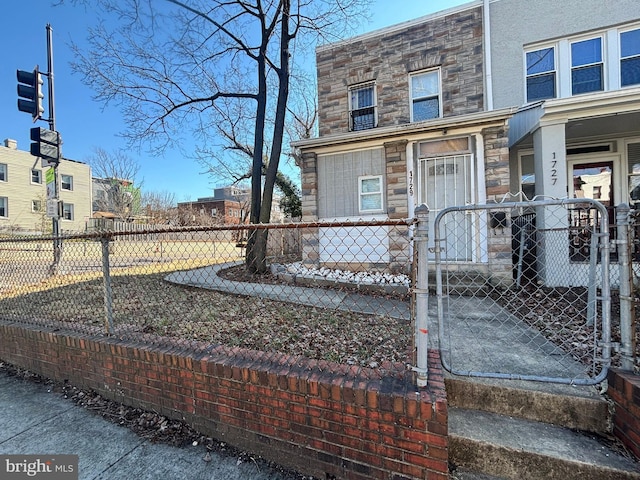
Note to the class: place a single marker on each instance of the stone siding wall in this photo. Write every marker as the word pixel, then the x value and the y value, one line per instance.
pixel 452 43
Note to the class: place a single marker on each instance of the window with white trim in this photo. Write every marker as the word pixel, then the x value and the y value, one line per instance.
pixel 4 207
pixel 370 194
pixel 66 182
pixel 67 211
pixel 3 172
pixel 630 58
pixel 541 74
pixel 36 176
pixel 425 96
pixel 587 66
pixel 362 107
pixel 36 206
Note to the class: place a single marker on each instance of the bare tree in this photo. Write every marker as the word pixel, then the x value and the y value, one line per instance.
pixel 158 206
pixel 115 182
pixel 208 67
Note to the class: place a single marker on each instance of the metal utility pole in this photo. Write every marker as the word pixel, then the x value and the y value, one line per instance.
pixel 57 242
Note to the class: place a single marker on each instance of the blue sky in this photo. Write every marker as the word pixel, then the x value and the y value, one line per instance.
pixel 85 124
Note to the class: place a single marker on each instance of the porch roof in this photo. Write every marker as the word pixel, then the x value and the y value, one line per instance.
pixel 469 120
pixel 596 115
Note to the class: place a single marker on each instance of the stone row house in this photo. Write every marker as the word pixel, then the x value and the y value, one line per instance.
pixel 463 107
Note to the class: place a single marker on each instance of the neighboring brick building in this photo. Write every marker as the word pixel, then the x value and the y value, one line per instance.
pixel 229 205
pixel 211 210
pixel 402 121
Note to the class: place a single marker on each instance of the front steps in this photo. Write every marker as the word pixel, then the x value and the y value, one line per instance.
pixel 528 430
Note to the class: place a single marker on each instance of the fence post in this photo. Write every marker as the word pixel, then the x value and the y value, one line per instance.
pixel 421 289
pixel 106 275
pixel 627 327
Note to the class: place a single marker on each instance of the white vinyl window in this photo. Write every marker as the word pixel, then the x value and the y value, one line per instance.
pixel 66 182
pixel 587 67
pixel 425 96
pixel 36 206
pixel 630 58
pixel 362 107
pixel 370 194
pixel 3 172
pixel 36 176
pixel 67 211
pixel 4 207
pixel 541 74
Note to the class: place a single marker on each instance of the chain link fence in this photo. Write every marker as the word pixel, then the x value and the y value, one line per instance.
pixel 330 291
pixel 517 290
pixel 529 284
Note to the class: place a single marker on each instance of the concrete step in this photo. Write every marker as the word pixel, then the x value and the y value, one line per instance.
pixel 520 449
pixel 576 407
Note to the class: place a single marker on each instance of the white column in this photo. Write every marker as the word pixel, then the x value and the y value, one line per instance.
pixel 550 161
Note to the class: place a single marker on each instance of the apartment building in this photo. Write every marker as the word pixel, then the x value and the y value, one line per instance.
pixel 23 193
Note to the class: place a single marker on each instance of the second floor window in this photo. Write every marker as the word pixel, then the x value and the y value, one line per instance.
pixel 66 182
pixel 4 207
pixel 541 74
pixel 425 96
pixel 3 172
pixel 362 107
pixel 586 66
pixel 36 176
pixel 630 58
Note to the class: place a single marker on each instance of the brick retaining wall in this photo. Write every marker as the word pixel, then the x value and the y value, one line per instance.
pixel 624 390
pixel 319 418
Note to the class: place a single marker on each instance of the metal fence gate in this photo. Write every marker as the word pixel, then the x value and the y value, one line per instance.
pixel 532 301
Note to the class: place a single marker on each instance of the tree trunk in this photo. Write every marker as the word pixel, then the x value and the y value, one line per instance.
pixel 256 249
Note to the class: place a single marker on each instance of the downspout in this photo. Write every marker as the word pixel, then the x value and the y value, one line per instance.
pixel 486 20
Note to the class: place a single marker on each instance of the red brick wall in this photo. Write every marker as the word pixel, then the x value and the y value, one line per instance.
pixel 624 390
pixel 319 418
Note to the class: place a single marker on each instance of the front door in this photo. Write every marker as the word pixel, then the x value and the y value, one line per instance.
pixel 446 182
pixel 594 180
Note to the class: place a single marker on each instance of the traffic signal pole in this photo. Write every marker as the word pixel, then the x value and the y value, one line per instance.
pixel 57 242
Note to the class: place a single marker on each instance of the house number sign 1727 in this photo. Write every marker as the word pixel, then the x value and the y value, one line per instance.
pixel 554 170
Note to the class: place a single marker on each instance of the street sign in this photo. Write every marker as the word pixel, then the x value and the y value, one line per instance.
pixel 52 208
pixel 50 181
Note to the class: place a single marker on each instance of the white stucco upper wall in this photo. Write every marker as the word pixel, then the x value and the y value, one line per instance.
pixel 517 23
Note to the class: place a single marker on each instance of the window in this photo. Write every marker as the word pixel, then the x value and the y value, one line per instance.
pixel 425 96
pixel 587 66
pixel 630 58
pixel 362 107
pixel 67 211
pixel 4 207
pixel 36 176
pixel 66 182
pixel 36 205
pixel 541 74
pixel 370 194
pixel 3 172
pixel 214 212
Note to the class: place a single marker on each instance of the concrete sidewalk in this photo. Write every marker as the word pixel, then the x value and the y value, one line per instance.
pixel 35 420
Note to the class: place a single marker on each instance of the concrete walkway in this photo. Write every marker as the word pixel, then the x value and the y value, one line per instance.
pixel 36 421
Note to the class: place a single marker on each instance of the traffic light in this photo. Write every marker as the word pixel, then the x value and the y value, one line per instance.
pixel 46 144
pixel 30 92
